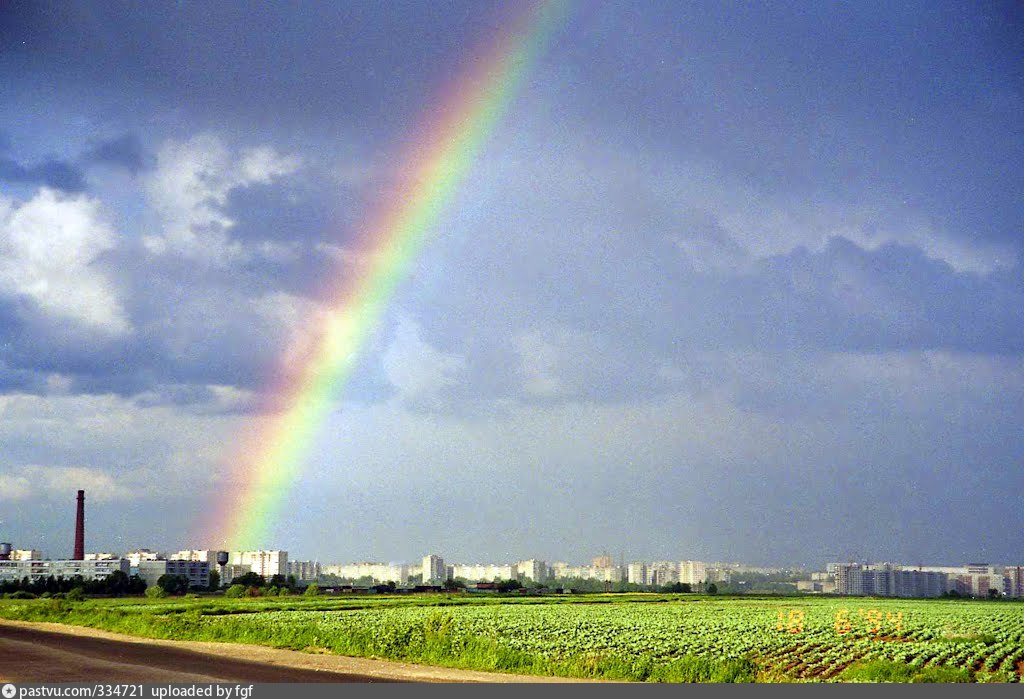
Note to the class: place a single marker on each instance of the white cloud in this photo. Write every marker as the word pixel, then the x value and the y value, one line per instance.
pixel 190 187
pixel 14 487
pixel 49 247
pixel 419 371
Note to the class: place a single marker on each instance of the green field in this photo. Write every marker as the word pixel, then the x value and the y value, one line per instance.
pixel 645 637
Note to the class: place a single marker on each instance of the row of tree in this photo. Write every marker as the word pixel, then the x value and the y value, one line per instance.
pixel 116 584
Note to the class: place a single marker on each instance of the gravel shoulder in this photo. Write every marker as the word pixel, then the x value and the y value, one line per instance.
pixel 155 658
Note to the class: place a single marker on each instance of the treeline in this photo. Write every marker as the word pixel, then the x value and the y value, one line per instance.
pixel 115 585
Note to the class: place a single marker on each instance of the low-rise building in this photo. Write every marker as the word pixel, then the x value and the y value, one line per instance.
pixel 26 555
pixel 101 556
pixel 11 571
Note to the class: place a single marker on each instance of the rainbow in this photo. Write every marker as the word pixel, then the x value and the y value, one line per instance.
pixel 269 456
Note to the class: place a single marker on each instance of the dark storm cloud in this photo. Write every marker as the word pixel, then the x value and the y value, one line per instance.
pixel 52 173
pixel 125 151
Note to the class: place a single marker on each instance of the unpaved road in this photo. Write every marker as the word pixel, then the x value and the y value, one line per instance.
pixel 43 652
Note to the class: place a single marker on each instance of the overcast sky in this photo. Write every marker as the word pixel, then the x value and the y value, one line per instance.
pixel 729 281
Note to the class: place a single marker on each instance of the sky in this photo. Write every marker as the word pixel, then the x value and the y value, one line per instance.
pixel 726 282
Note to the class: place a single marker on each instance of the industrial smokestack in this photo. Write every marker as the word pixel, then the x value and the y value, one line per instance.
pixel 80 528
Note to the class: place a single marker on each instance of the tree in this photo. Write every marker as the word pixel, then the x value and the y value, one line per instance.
pixel 250 579
pixel 235 591
pixel 508 585
pixel 712 589
pixel 451 585
pixel 993 593
pixel 75 594
pixel 117 583
pixel 156 592
pixel 312 591
pixel 278 581
pixel 214 580
pixel 173 584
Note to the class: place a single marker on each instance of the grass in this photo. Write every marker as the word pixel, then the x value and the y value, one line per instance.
pixel 888 671
pixel 682 638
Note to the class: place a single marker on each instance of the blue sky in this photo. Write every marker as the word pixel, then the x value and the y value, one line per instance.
pixel 728 281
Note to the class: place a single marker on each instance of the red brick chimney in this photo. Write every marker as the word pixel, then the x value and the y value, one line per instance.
pixel 80 528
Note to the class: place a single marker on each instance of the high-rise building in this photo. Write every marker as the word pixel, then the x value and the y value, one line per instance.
pixel 662 573
pixel 889 580
pixel 692 572
pixel 433 569
pixel 197 572
pixel 637 573
pixel 532 569
pixel 304 571
pixel 265 563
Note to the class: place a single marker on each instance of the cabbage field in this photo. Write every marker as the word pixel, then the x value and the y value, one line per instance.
pixel 635 637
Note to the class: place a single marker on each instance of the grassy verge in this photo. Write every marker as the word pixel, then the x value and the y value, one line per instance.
pixel 888 671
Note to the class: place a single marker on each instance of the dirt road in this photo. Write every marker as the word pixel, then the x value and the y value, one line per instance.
pixel 42 652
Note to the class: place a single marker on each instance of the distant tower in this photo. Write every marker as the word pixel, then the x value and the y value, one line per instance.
pixel 5 552
pixel 222 560
pixel 80 528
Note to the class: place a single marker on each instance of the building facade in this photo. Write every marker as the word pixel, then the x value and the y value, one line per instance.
pixel 484 572
pixel 636 573
pixel 67 569
pixel 533 570
pixel 26 555
pixel 379 572
pixel 693 573
pixel 197 572
pixel 433 569
pixel 305 571
pixel 265 563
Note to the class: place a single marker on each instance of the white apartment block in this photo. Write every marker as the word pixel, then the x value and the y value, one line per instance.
pixel 692 572
pixel 26 555
pixel 265 563
pixel 602 573
pixel 433 569
pixel 89 570
pixel 195 555
pixel 304 571
pixel 102 556
pixel 1014 576
pixel 135 557
pixel 197 572
pixel 636 573
pixel 532 569
pixel 378 572
pixel 231 571
pixel 484 572
pixel 662 573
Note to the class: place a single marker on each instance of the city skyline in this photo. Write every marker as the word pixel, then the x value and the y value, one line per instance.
pixel 726 281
